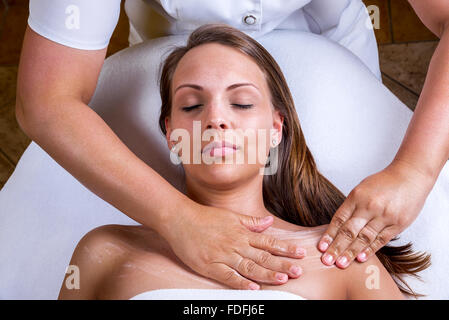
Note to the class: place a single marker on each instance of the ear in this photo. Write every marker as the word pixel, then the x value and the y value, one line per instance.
pixel 278 121
pixel 168 131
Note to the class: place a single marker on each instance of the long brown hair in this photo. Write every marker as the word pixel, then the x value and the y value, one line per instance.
pixel 297 192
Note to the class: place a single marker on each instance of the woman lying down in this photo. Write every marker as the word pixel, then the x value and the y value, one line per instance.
pixel 223 83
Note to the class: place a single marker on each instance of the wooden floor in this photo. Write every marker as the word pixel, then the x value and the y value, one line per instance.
pixel 405 48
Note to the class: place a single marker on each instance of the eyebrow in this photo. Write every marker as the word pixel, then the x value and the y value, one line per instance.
pixel 231 87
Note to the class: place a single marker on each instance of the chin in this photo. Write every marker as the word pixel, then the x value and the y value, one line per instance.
pixel 222 175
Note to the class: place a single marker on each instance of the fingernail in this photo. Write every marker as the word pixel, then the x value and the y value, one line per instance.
pixel 328 258
pixel 253 286
pixel 281 277
pixel 300 251
pixel 342 261
pixel 323 246
pixel 267 219
pixel 362 257
pixel 295 270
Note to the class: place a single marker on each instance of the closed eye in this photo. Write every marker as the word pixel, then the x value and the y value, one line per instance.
pixel 187 109
pixel 243 106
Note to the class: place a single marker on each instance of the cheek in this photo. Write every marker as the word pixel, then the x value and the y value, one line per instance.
pixel 257 144
pixel 181 123
pixel 181 133
pixel 257 121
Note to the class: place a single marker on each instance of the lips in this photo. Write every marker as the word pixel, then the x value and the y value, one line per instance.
pixel 220 147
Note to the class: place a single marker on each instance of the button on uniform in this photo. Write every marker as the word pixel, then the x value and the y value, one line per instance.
pixel 250 19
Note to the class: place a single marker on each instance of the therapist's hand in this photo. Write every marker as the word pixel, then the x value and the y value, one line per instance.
pixel 227 247
pixel 375 211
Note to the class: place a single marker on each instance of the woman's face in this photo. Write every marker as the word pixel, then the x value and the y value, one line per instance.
pixel 220 94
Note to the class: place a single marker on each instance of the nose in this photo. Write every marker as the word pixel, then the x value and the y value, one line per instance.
pixel 217 124
pixel 215 119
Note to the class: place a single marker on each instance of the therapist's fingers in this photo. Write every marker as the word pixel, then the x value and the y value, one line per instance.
pixel 364 239
pixel 276 246
pixel 256 224
pixel 230 277
pixel 346 235
pixel 381 240
pixel 340 217
pixel 271 262
pixel 251 270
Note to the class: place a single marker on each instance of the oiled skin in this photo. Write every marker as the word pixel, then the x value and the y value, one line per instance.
pixel 119 262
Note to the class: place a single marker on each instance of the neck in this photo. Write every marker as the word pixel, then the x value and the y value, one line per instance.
pixel 243 197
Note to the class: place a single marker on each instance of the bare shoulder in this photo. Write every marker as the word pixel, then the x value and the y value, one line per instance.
pixel 317 281
pixel 371 280
pixel 368 280
pixel 96 255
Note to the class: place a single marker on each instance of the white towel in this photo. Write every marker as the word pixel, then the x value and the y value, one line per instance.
pixel 215 294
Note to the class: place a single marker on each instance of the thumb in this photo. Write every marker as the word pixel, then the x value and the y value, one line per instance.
pixel 256 224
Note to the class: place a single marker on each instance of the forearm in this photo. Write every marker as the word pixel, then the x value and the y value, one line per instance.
pixel 426 142
pixel 81 142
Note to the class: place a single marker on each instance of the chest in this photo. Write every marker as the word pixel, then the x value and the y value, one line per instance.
pixel 152 271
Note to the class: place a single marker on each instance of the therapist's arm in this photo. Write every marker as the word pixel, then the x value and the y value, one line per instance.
pixel 426 143
pixel 386 203
pixel 55 84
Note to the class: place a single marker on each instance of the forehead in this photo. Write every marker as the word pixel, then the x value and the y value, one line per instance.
pixel 214 63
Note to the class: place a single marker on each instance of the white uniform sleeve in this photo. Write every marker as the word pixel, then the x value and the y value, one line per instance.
pixel 81 24
pixel 348 23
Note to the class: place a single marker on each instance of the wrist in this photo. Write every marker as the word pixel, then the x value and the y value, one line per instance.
pixel 409 169
pixel 175 215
